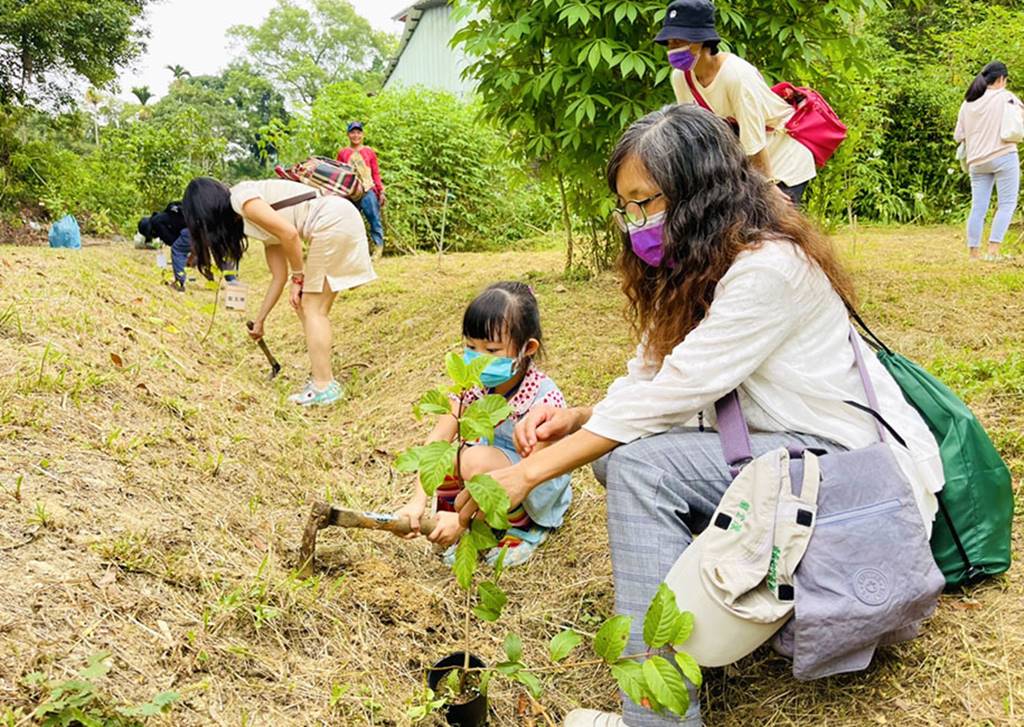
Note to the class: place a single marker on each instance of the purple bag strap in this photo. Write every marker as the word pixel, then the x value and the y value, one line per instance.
pixel 732 426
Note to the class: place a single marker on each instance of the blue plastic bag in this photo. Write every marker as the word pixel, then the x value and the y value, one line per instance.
pixel 65 233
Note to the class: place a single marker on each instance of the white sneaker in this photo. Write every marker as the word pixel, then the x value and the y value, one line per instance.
pixel 592 718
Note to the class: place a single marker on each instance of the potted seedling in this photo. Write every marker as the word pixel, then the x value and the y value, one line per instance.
pixel 458 683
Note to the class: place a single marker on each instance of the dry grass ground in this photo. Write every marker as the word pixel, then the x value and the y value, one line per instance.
pixel 161 482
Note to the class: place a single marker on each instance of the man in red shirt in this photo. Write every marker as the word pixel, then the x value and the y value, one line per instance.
pixel 365 164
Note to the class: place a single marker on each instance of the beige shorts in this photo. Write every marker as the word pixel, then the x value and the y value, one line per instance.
pixel 338 252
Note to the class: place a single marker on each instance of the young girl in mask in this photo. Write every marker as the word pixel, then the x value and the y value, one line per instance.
pixel 503 322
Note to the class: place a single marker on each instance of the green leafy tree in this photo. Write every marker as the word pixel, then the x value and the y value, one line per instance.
pixel 44 44
pixel 567 77
pixel 178 71
pixel 236 104
pixel 304 47
pixel 142 93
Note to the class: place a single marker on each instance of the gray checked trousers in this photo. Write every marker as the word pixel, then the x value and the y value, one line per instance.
pixel 662 491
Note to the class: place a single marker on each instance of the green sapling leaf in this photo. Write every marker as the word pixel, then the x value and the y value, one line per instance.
pixel 433 402
pixel 409 460
pixel 562 644
pixel 684 629
pixel 475 369
pixel 482 536
pixel 495 406
pixel 630 677
pixel 465 563
pixel 666 685
pixel 611 638
pixel 436 461
pixel 499 564
pixel 690 668
pixel 492 499
pixel 530 681
pixel 513 647
pixel 662 620
pixel 453 682
pixel 456 369
pixel 492 600
pixel 476 424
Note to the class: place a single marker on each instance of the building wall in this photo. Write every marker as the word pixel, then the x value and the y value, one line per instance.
pixel 428 60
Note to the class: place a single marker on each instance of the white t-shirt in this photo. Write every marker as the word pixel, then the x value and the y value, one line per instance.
pixel 739 92
pixel 274 191
pixel 777 331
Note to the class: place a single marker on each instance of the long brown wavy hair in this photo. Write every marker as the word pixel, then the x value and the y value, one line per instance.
pixel 718 206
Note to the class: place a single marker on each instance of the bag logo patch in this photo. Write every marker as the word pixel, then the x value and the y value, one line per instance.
pixel 871 586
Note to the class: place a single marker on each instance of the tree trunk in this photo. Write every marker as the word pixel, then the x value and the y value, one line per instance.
pixel 567 221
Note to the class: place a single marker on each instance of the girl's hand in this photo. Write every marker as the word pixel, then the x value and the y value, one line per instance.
pixel 513 479
pixel 413 510
pixel 295 296
pixel 448 529
pixel 256 332
pixel 543 423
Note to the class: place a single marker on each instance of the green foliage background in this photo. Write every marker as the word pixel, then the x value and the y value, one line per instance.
pixel 429 144
pixel 558 82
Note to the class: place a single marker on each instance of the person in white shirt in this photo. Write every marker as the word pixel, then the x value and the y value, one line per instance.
pixel 729 288
pixel 991 159
pixel 733 89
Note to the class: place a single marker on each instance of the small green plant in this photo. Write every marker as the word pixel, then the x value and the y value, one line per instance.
pixel 79 702
pixel 649 678
pixel 425 704
pixel 40 516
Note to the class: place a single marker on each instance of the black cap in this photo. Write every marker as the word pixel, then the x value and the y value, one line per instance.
pixel 690 20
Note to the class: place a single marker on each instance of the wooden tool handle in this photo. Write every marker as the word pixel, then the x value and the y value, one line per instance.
pixel 401 526
pixel 379 521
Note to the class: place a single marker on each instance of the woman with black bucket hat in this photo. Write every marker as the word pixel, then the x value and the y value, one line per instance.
pixel 731 88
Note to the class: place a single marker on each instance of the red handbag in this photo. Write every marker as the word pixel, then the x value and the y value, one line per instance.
pixel 814 124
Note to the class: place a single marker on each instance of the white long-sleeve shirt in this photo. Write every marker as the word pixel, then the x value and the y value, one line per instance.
pixel 778 331
pixel 979 125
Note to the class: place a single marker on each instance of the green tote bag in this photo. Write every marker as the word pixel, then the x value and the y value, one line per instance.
pixel 971 535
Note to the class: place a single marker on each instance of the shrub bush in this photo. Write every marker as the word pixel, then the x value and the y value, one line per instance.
pixel 431 146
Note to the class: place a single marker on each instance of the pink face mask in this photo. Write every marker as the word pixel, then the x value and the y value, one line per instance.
pixel 682 59
pixel 647 241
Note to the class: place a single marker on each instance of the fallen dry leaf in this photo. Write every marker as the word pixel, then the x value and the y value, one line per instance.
pixel 116 360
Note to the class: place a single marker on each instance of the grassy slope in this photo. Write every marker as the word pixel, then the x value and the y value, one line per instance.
pixel 173 488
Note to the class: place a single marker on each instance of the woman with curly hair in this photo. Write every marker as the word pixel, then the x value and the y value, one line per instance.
pixel 729 287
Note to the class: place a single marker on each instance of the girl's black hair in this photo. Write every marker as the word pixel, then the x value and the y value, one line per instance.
pixel 712 45
pixel 218 232
pixel 989 75
pixel 506 308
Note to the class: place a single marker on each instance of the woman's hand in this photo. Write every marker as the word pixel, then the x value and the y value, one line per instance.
pixel 543 424
pixel 256 332
pixel 447 530
pixel 413 510
pixel 513 479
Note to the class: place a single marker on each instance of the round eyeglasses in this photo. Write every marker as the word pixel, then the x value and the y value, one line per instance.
pixel 634 212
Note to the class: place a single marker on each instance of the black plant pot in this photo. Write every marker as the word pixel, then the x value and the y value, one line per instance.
pixel 468 714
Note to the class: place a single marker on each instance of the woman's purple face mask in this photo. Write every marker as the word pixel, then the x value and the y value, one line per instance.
pixel 647 241
pixel 682 59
